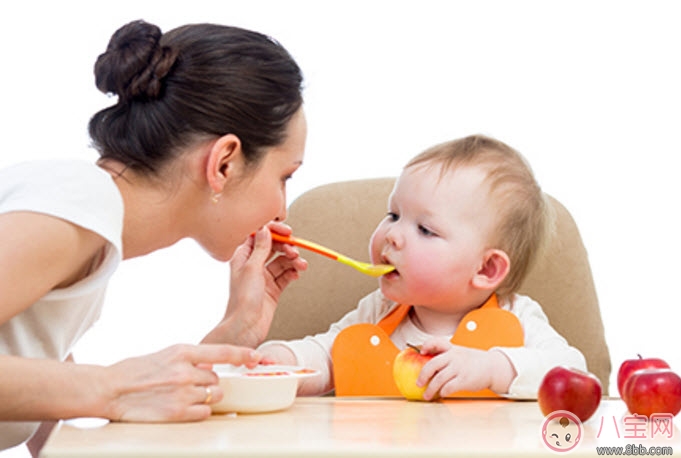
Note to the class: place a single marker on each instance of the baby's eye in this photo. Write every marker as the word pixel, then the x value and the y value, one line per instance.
pixel 425 231
pixel 393 216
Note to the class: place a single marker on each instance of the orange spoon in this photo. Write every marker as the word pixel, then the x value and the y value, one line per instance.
pixel 374 270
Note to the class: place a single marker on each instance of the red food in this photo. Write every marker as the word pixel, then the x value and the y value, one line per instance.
pixel 266 374
pixel 630 366
pixel 570 389
pixel 305 371
pixel 649 391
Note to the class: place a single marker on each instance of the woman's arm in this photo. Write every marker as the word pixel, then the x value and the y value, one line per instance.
pixel 37 441
pixel 169 385
pixel 39 253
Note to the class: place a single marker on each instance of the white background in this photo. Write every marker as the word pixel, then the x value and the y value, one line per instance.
pixel 588 90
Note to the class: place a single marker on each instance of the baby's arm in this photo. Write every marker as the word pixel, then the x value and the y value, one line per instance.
pixel 306 353
pixel 276 353
pixel 514 372
pixel 280 353
pixel 544 349
pixel 314 352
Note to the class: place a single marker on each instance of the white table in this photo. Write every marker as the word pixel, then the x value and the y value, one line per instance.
pixel 352 427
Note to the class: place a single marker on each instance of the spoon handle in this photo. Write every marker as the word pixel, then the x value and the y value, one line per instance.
pixel 306 244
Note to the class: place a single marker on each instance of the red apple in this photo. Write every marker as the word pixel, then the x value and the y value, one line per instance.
pixel 629 366
pixel 566 388
pixel 649 391
pixel 406 369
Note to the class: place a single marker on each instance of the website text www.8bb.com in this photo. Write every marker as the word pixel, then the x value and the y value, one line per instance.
pixel 635 450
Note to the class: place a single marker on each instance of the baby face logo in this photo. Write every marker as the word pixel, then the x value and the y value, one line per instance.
pixel 561 431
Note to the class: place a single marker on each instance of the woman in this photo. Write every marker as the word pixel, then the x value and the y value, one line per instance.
pixel 207 128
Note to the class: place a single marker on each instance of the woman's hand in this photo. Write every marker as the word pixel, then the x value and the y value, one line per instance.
pixel 171 385
pixel 175 384
pixel 456 368
pixel 260 271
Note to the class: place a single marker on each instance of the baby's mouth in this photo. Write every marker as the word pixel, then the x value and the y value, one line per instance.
pixel 385 260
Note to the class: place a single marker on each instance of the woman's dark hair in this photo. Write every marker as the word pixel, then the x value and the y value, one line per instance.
pixel 192 83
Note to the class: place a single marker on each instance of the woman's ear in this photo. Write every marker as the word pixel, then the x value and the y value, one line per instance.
pixel 221 161
pixel 495 267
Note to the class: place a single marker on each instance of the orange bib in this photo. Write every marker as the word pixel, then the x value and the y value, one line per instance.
pixel 363 354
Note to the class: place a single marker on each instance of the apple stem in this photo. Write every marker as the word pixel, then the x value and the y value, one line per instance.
pixel 415 347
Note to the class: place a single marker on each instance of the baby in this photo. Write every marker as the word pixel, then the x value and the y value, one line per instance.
pixel 466 219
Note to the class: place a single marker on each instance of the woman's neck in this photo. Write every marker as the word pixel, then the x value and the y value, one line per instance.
pixel 152 215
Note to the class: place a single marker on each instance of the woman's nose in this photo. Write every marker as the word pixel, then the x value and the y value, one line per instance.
pixel 283 213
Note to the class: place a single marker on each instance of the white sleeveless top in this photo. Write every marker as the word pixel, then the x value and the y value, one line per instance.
pixel 81 193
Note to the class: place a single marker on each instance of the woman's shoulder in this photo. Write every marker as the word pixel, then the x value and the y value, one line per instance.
pixel 51 170
pixel 76 191
pixel 45 178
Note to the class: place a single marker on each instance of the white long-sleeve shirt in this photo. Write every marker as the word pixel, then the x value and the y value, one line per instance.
pixel 543 347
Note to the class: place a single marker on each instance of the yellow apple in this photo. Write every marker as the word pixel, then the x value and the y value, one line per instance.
pixel 406 369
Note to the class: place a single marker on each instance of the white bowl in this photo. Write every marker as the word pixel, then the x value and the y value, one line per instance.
pixel 265 388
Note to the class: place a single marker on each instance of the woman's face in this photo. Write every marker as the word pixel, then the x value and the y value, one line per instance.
pixel 258 196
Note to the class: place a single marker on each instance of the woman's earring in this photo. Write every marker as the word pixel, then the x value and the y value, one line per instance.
pixel 215 197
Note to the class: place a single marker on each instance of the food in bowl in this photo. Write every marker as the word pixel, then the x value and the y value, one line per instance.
pixel 265 388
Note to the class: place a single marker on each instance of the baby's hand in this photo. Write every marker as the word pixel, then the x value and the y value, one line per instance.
pixel 456 368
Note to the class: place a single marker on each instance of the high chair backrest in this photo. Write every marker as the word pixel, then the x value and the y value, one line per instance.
pixel 343 216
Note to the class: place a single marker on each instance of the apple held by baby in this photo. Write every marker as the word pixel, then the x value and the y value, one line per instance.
pixel 406 369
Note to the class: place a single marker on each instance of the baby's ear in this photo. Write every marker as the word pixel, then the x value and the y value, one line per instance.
pixel 493 271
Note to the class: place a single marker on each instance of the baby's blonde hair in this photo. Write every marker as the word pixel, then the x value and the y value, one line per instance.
pixel 525 218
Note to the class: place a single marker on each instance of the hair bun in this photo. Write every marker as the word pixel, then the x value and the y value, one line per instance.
pixel 134 64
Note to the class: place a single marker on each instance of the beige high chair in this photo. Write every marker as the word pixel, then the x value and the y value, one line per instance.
pixel 343 215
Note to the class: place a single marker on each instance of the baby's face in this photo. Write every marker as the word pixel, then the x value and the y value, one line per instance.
pixel 435 234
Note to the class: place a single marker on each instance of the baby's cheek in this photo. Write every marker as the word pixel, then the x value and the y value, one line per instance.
pixel 376 247
pixel 421 276
pixel 424 271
